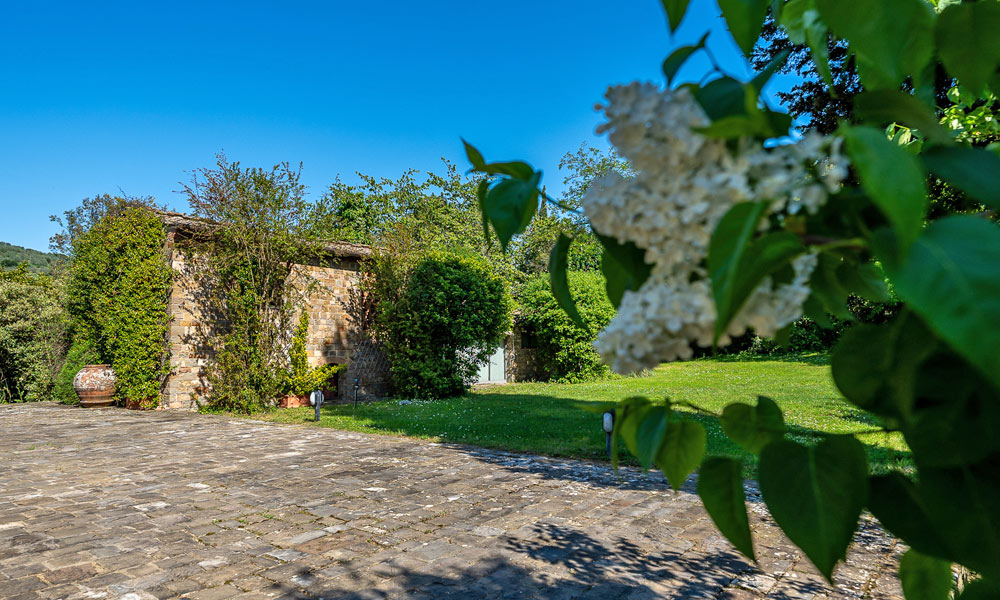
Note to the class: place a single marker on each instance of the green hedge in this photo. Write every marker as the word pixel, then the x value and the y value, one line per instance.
pixel 566 352
pixel 118 290
pixel 452 313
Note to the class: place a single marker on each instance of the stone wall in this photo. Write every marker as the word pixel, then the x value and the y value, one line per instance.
pixel 335 333
pixel 520 363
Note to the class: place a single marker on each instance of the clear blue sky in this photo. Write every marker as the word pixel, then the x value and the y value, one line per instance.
pixel 131 96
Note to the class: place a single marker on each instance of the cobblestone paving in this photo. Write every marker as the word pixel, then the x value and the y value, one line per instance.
pixel 117 504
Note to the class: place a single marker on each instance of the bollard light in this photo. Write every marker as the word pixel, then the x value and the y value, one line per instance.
pixel 356 386
pixel 609 428
pixel 316 399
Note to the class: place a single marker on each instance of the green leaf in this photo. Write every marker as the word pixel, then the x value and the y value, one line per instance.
pixel 974 171
pixel 628 417
pixel 963 505
pixel 558 261
pixel 876 366
pixel 951 278
pixel 516 169
pixel 895 503
pixel 753 427
pixel 865 280
pixel 475 157
pixel 720 486
pixel 678 57
pixel 803 25
pixel 924 577
pixel 481 190
pixel 681 452
pixel 892 177
pixel 721 97
pixel 510 205
pixel 893 106
pixel 745 19
pixel 891 39
pixel 981 589
pixel 650 434
pixel 816 494
pixel 624 267
pixel 827 288
pixel 675 12
pixel 967 42
pixel 738 265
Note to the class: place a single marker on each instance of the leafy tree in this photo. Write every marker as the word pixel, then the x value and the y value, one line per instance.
pixel 33 334
pixel 565 350
pixel 12 256
pixel 791 231
pixel 83 218
pixel 447 315
pixel 259 226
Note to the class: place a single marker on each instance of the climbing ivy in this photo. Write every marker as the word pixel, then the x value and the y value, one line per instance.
pixel 118 289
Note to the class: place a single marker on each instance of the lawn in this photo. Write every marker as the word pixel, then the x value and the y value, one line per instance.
pixel 546 418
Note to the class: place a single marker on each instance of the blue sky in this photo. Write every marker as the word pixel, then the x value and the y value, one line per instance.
pixel 132 96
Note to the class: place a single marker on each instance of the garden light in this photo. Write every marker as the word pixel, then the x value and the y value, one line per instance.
pixel 609 427
pixel 316 399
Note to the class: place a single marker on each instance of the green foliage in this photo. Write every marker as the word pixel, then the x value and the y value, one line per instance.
pixel 33 331
pixel 439 320
pixel 924 577
pixel 245 264
pixel 117 295
pixel 565 351
pixel 931 372
pixel 80 354
pixel 301 378
pixel 720 486
pixel 11 257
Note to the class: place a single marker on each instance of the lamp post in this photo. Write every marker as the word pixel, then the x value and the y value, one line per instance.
pixel 609 428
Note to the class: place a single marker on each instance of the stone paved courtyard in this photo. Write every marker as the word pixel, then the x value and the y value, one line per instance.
pixel 117 504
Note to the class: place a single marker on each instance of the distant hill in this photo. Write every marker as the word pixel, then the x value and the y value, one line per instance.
pixel 38 262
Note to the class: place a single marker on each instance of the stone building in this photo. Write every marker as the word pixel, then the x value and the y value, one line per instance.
pixel 335 335
pixel 336 330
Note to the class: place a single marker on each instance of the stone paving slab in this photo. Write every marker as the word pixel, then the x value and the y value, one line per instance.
pixel 129 505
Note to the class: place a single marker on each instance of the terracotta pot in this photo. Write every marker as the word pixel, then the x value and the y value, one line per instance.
pixel 294 401
pixel 95 386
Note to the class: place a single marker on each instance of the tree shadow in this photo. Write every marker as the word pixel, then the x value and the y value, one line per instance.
pixel 808 358
pixel 547 562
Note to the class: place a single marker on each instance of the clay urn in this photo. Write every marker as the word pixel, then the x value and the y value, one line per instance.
pixel 95 385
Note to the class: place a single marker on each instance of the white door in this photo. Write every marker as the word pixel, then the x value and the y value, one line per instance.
pixel 493 370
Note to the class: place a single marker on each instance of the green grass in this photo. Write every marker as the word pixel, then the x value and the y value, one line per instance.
pixel 547 419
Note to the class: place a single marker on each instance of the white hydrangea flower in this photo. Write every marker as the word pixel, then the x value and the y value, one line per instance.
pixel 683 185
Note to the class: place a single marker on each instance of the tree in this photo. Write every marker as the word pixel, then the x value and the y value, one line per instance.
pixel 446 317
pixel 259 226
pixel 797 228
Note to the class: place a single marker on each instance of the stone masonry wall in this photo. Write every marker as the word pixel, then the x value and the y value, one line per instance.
pixel 334 335
pixel 520 363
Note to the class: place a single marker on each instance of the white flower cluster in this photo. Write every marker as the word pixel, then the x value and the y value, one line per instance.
pixel 684 184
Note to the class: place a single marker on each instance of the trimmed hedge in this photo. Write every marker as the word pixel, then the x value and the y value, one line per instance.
pixel 566 352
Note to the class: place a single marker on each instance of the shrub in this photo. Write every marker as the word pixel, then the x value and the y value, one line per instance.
pixel 565 352
pixel 81 353
pixel 451 314
pixel 32 333
pixel 117 294
pixel 301 379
